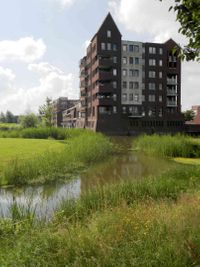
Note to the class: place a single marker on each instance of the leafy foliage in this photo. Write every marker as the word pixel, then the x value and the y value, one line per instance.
pixel 29 121
pixel 188 14
pixel 46 111
pixel 189 115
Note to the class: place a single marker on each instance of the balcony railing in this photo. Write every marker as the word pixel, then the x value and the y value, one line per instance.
pixel 171 103
pixel 171 81
pixel 171 92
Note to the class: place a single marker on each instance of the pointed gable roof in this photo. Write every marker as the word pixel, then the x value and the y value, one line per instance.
pixel 107 21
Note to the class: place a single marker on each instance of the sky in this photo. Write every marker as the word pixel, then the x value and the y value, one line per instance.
pixel 42 41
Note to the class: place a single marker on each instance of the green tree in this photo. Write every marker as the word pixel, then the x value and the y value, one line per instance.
pixel 2 117
pixel 46 112
pixel 188 15
pixel 10 118
pixel 29 121
pixel 189 115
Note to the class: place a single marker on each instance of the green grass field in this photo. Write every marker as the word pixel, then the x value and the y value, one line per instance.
pixel 12 148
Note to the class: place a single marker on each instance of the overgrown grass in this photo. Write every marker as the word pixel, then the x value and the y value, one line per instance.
pixel 42 133
pixel 168 146
pixel 77 152
pixel 9 126
pixel 147 223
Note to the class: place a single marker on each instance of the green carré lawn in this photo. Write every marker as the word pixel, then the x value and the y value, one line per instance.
pixel 11 148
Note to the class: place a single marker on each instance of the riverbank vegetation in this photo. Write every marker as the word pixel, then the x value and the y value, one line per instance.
pixel 152 222
pixel 168 146
pixel 38 161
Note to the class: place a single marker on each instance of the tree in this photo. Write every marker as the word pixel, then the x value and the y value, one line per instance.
pixel 189 115
pixel 29 120
pixel 10 118
pixel 188 14
pixel 46 111
pixel 2 117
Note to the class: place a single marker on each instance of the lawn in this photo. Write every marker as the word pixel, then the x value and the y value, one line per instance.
pixel 11 148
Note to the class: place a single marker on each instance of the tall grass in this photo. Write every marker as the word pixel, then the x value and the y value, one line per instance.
pixel 41 133
pixel 168 185
pixel 152 222
pixel 79 152
pixel 168 146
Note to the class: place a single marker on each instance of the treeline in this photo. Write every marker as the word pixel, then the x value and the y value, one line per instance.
pixel 8 117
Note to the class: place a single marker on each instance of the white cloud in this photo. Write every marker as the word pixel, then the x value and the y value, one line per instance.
pixel 52 83
pixel 152 19
pixel 25 49
pixel 6 74
pixel 63 3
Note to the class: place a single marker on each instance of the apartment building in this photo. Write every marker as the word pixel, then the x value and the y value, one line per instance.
pixel 59 105
pixel 129 87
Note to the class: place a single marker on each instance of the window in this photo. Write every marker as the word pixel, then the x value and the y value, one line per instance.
pixel 124 97
pixel 152 86
pixel 160 86
pixel 152 50
pixel 160 51
pixel 108 46
pixel 124 85
pixel 124 60
pixel 160 62
pixel 130 48
pixel 114 109
pixel 114 97
pixel 130 60
pixel 130 97
pixel 114 59
pixel 114 47
pixel 160 98
pixel 108 33
pixel 103 46
pixel 136 98
pixel 124 110
pixel 124 47
pixel 152 74
pixel 114 72
pixel 114 84
pixel 143 98
pixel 136 48
pixel 133 73
pixel 124 72
pixel 151 98
pixel 160 74
pixel 133 85
pixel 152 62
pixel 136 61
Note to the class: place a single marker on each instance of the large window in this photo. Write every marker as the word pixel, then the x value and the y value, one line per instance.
pixel 152 86
pixel 114 84
pixel 124 72
pixel 108 33
pixel 103 46
pixel 114 59
pixel 124 47
pixel 114 47
pixel 152 50
pixel 133 73
pixel 151 98
pixel 109 46
pixel 133 85
pixel 130 97
pixel 114 72
pixel 114 109
pixel 124 97
pixel 152 62
pixel 152 74
pixel 124 60
pixel 137 61
pixel 160 50
pixel 124 85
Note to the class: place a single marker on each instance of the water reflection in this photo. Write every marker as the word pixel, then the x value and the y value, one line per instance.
pixel 46 199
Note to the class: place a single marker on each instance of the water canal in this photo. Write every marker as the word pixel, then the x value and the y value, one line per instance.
pixel 45 199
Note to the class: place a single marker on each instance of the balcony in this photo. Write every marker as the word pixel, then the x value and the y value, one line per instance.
pixel 171 92
pixel 135 115
pixel 104 101
pixel 171 104
pixel 172 81
pixel 103 63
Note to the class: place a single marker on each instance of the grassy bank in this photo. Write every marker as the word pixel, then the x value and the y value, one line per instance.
pixel 25 165
pixel 168 146
pixel 41 133
pixel 154 222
